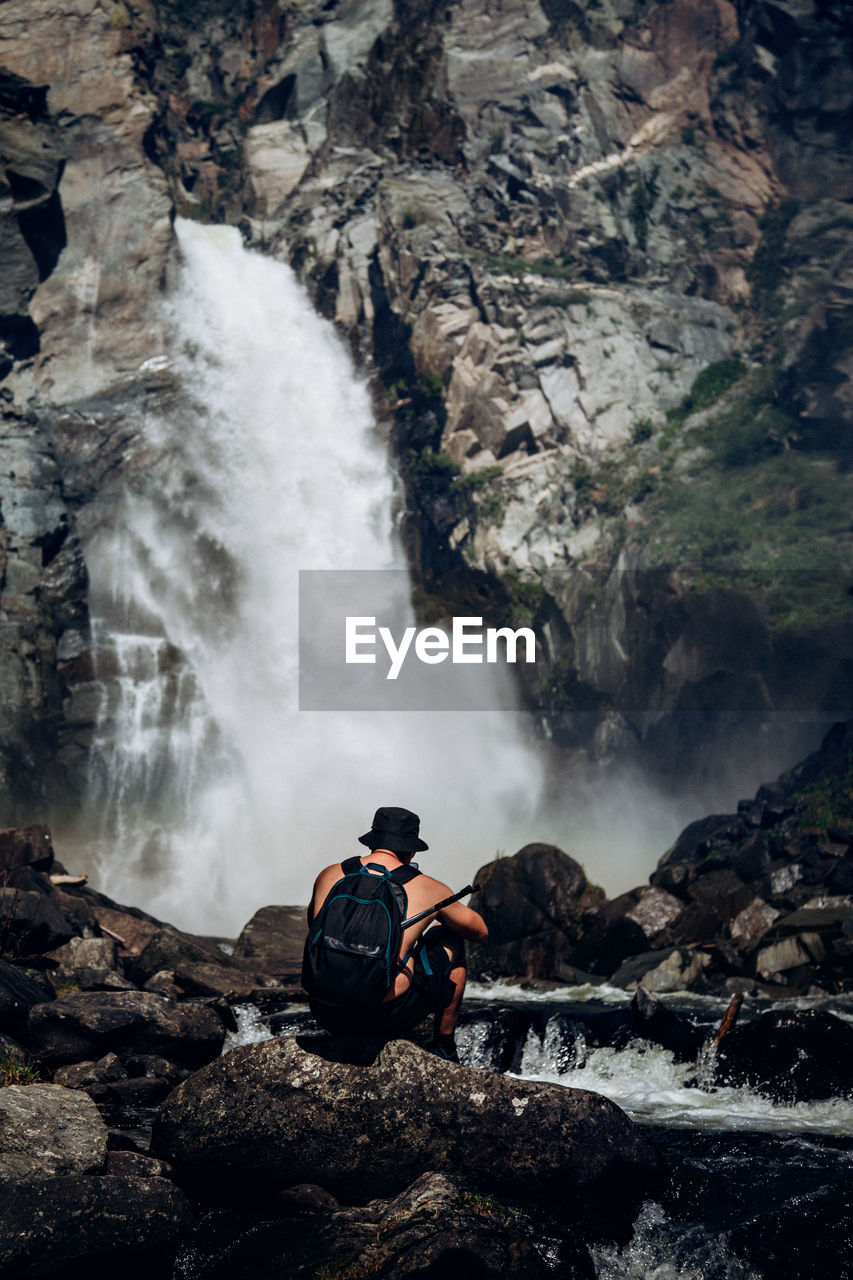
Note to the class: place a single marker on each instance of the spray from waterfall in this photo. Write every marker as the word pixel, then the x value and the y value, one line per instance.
pixel 213 793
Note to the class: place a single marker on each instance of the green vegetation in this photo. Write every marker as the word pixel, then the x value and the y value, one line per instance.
pixel 826 803
pixel 766 271
pixel 430 462
pixel 641 431
pixel 713 382
pixel 13 1071
pixel 572 298
pixel 564 268
pixel 491 503
pixel 430 385
pixel 526 596
pixel 642 202
pixel 410 219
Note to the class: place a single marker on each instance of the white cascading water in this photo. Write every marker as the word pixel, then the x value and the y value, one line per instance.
pixel 214 794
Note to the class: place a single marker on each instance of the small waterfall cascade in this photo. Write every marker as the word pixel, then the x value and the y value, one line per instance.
pixel 211 794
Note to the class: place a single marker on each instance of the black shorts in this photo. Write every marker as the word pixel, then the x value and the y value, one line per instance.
pixel 430 991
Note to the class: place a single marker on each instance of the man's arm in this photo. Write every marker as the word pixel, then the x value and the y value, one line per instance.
pixel 464 922
pixel 320 892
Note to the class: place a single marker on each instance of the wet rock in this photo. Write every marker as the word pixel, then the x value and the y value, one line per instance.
pixel 133 1164
pixel 807 1236
pixel 532 904
pixel 653 1021
pixel 790 1056
pixel 438 1226
pixel 274 1112
pixel 273 940
pixel 20 990
pixel 88 1024
pixel 77 1075
pixel 492 1038
pixel 122 1222
pixel 48 1131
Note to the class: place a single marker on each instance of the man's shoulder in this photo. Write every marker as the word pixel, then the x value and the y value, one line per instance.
pixel 431 885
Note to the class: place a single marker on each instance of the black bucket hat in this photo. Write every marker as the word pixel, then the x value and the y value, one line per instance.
pixel 394 829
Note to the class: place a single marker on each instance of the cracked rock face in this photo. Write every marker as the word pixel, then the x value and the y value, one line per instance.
pixel 540 226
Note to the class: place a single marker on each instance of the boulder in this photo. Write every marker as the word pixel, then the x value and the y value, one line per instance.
pixel 47 1223
pixel 47 1131
pixel 790 1056
pixel 532 903
pixel 12 1054
pixel 26 846
pixel 33 922
pixel 20 989
pixel 135 1081
pixel 90 964
pixel 273 940
pixel 652 1020
pixel 607 942
pixel 169 948
pixel 805 1236
pixel 130 930
pixel 440 1226
pixel 282 1112
pixel 91 1023
pixel 667 970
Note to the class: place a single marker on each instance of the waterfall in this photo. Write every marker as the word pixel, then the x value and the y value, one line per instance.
pixel 213 794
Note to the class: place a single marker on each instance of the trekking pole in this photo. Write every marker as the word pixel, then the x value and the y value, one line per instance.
pixel 439 906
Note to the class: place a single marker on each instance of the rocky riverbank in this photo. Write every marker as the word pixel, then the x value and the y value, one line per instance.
pixel 757 901
pixel 305 1149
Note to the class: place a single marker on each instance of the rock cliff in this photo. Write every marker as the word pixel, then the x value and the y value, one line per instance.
pixel 597 259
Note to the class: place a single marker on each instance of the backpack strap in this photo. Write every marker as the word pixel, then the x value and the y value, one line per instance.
pixel 404 874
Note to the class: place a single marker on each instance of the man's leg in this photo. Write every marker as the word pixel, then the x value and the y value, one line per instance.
pixel 446 1018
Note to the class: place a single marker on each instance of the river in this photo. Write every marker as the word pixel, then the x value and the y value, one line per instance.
pixel 756 1188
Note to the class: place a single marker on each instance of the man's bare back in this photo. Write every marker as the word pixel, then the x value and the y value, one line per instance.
pixel 422 892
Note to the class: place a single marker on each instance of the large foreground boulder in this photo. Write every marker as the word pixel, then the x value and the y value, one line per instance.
pixel 282 1112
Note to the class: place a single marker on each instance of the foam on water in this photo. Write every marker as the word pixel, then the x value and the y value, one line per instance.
pixel 651 1086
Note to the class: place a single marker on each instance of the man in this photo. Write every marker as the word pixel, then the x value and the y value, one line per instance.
pixel 429 972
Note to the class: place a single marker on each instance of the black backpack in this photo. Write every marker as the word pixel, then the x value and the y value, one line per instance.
pixel 353 946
